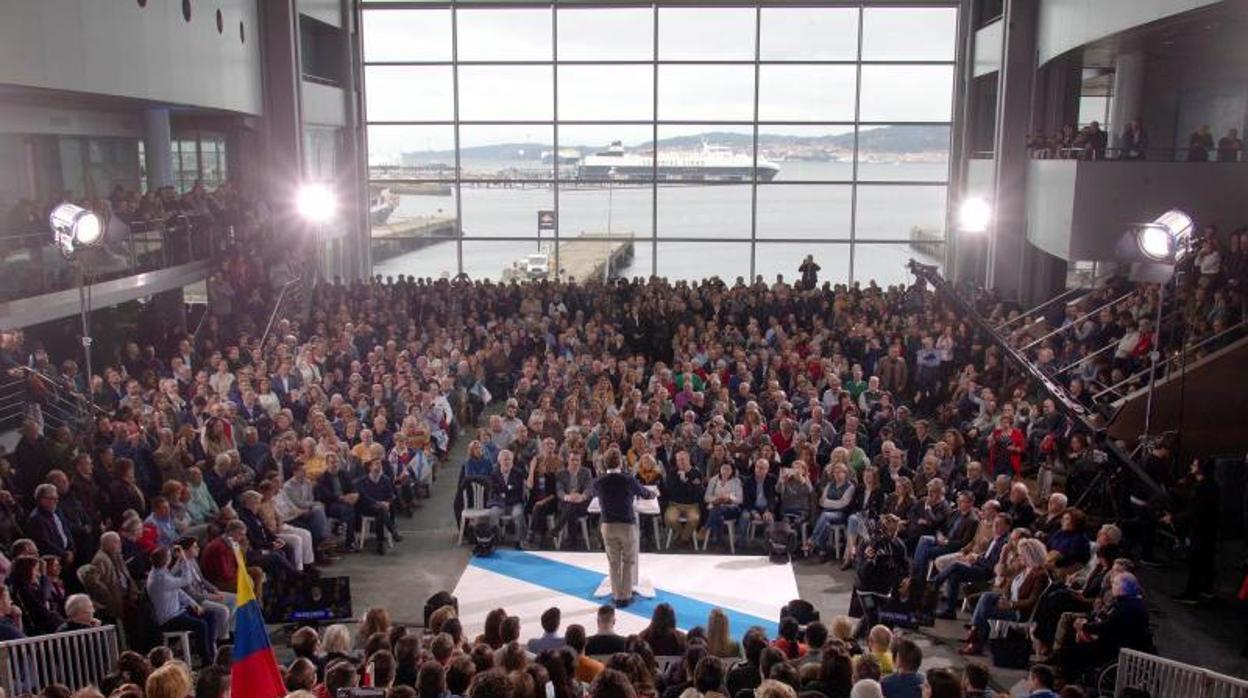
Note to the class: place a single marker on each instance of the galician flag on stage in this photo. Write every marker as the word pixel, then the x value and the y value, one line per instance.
pixel 253 673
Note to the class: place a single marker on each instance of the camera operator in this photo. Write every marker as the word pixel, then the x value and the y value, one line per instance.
pixel 882 565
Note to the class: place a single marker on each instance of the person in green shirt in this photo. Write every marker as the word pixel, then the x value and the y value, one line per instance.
pixel 857 457
pixel 857 384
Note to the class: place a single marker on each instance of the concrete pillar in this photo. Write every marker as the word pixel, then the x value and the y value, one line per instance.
pixel 1128 103
pixel 157 148
pixel 1007 239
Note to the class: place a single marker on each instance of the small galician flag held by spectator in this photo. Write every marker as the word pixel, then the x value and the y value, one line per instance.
pixel 253 673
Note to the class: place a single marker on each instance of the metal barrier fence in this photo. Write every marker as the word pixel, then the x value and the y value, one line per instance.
pixel 76 658
pixel 1165 678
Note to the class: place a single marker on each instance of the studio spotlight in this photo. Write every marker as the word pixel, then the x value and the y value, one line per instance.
pixel 1167 238
pixel 74 226
pixel 316 203
pixel 974 214
pixel 1154 242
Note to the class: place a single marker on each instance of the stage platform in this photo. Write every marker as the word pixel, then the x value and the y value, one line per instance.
pixel 751 590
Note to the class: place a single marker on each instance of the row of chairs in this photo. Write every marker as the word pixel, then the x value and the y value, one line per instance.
pixel 475 509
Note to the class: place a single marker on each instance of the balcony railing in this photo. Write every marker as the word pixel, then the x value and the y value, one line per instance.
pixel 31 264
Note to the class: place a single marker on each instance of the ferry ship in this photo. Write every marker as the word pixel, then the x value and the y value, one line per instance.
pixel 709 164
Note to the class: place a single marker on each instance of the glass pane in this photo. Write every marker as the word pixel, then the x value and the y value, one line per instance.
pixel 514 34
pixel 487 259
pixel 416 152
pixel 506 93
pixel 808 153
pixel 885 263
pixel 809 34
pixel 429 216
pixel 579 143
pixel 621 209
pixel 407 35
pixel 602 34
pixel 807 211
pixel 909 33
pixel 693 155
pixel 697 33
pixel 642 264
pixel 706 92
pixel 505 151
pixel 772 258
pixel 904 153
pixel 806 92
pixel 697 261
pixel 409 93
pixel 711 211
pixel 606 93
pixel 493 211
pixel 906 92
pixel 887 212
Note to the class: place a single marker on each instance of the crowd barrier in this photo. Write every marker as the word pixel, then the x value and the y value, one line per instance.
pixel 1164 678
pixel 75 658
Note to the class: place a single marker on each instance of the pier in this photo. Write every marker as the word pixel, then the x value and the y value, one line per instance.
pixel 399 237
pixel 582 258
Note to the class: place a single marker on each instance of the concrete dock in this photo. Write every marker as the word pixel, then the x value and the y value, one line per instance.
pixel 582 258
pixel 399 237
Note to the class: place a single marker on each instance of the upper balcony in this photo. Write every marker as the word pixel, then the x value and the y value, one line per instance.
pixel 1078 210
pixel 139 258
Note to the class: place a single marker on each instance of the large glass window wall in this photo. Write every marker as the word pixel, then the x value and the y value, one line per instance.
pixel 720 140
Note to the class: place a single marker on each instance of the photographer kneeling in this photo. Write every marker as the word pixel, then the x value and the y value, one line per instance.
pixel 882 565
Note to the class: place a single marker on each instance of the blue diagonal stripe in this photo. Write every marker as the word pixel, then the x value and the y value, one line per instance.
pixel 581 583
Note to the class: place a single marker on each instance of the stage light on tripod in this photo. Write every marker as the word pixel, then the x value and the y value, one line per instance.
pixel 74 226
pixel 974 215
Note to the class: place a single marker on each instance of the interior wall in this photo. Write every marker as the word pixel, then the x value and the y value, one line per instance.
pixel 1207 83
pixel 150 52
pixel 1068 24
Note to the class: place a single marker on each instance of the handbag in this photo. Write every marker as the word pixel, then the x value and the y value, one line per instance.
pixel 1009 642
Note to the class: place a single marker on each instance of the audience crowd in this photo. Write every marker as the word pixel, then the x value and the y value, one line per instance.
pixel 868 426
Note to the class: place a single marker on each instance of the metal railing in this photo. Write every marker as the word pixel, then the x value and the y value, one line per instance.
pixel 76 659
pixel 32 395
pixel 1164 368
pixel 1166 677
pixel 32 265
pixel 288 293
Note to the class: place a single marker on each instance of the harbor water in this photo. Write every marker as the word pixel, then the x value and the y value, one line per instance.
pixel 717 213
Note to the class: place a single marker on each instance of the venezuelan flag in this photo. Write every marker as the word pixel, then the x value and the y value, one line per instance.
pixel 253 673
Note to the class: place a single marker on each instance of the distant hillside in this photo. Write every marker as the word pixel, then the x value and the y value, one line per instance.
pixel 886 139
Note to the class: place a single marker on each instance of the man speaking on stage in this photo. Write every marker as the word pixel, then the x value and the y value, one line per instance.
pixel 615 491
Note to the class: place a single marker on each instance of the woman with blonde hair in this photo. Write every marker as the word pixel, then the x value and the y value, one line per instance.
pixel 171 680
pixel 718 640
pixel 1016 600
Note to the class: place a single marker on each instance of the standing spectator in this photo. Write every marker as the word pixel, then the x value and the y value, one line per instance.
pixel 810 273
pixel 48 528
pixel 1200 523
pixel 1134 144
pixel 1230 146
pixel 1199 144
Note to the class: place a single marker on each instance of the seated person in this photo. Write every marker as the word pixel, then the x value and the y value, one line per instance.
pixel 336 492
pixel 683 492
pixel 572 484
pixel 868 504
pixel 1124 624
pixel 956 533
pixel 1014 601
pixel 723 501
pixel 834 505
pixel 793 493
pixel 758 498
pixel 507 495
pixel 173 609
pixel 377 497
pixel 972 567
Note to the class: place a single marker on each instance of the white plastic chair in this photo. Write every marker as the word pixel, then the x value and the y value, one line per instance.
pixel 474 507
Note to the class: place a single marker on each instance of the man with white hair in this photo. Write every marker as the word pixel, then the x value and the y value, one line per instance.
pixel 866 688
pixel 79 614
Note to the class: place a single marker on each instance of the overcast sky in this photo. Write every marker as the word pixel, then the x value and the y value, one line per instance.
pixel 624 92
